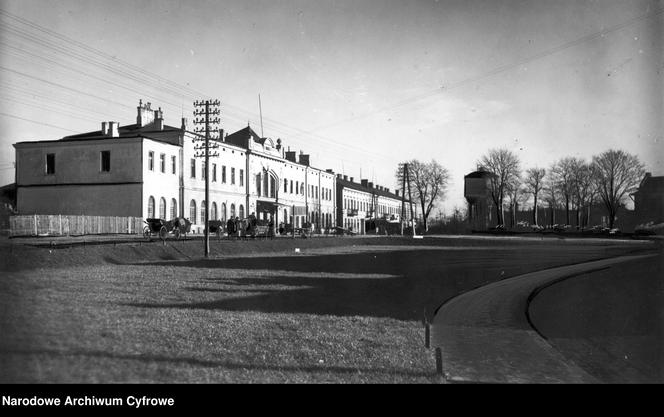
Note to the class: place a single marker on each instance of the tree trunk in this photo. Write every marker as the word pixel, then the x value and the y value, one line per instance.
pixel 535 211
pixel 567 210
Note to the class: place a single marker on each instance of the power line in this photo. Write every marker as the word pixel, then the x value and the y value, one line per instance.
pixel 34 121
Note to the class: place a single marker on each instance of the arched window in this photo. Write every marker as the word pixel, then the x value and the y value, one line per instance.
pixel 233 211
pixel 302 189
pixel 203 212
pixel 265 185
pixel 162 208
pixel 192 211
pixel 241 209
pixel 223 211
pixel 258 184
pixel 285 186
pixel 273 186
pixel 174 208
pixel 151 207
pixel 213 211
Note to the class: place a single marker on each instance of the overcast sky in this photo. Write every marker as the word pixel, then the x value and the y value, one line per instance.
pixel 359 85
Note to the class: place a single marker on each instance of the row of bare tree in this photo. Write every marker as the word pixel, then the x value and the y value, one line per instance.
pixel 572 183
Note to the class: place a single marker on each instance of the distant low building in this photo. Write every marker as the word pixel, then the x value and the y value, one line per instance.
pixel 649 200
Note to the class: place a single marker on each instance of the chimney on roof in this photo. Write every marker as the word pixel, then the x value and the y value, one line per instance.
pixel 113 130
pixel 159 119
pixel 290 156
pixel 145 114
pixel 396 192
pixel 351 179
pixel 387 189
pixel 304 159
pixel 185 124
pixel 365 183
pixel 345 177
pixel 339 176
pixel 370 184
pixel 329 171
pixel 104 128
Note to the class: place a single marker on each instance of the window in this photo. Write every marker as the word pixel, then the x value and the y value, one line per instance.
pixel 151 161
pixel 151 207
pixel 273 186
pixel 291 186
pixel 192 211
pixel 232 176
pixel 241 211
pixel 285 186
pixel 316 191
pixel 193 168
pixel 203 212
pixel 302 189
pixel 258 184
pixel 173 164
pixel 297 186
pixel 223 211
pixel 223 174
pixel 241 178
pixel 203 176
pixel 174 208
pixel 213 211
pixel 105 161
pixel 232 211
pixel 214 172
pixel 162 162
pixel 265 184
pixel 50 163
pixel 162 208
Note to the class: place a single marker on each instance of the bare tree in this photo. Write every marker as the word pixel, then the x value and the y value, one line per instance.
pixel 534 184
pixel 516 194
pixel 428 182
pixel 562 175
pixel 583 187
pixel 551 196
pixel 618 174
pixel 506 167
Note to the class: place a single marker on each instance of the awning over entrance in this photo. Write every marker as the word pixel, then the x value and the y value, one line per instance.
pixel 266 206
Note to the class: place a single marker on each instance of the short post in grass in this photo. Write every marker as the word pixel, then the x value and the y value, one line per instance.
pixel 439 361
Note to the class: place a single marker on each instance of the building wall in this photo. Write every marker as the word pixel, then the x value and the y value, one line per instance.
pixel 158 184
pixel 91 200
pixel 228 195
pixel 78 186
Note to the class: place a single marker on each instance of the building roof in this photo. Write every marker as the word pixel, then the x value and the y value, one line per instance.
pixel 168 134
pixel 241 138
pixel 480 174
pixel 374 190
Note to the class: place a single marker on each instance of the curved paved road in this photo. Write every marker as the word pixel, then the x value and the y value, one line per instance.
pixel 485 336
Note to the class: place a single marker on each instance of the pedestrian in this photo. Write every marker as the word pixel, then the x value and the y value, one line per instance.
pixel 230 227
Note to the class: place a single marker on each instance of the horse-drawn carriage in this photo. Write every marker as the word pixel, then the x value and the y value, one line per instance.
pixel 178 226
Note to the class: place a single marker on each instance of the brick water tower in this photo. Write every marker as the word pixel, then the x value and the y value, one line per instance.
pixel 477 190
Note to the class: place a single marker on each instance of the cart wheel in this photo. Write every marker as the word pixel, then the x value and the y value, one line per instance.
pixel 163 232
pixel 176 232
pixel 146 232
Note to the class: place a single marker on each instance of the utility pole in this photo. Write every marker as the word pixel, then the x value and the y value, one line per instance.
pixel 403 195
pixel 203 110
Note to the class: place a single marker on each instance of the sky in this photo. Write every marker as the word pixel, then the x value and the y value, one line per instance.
pixel 359 85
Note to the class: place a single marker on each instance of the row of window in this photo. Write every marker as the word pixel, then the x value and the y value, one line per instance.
pixel 194 211
pixel 104 162
pixel 353 204
pixel 326 193
pixel 162 162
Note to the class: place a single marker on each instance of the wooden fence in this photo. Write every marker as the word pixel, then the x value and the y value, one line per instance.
pixel 62 225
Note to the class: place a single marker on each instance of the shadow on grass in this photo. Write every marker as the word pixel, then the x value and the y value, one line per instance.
pixel 395 284
pixel 188 361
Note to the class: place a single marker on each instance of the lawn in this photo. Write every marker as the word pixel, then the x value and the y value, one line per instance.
pixel 341 310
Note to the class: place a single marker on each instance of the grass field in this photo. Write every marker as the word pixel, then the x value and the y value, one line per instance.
pixel 339 310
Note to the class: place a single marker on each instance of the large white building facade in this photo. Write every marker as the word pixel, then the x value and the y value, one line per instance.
pixel 149 169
